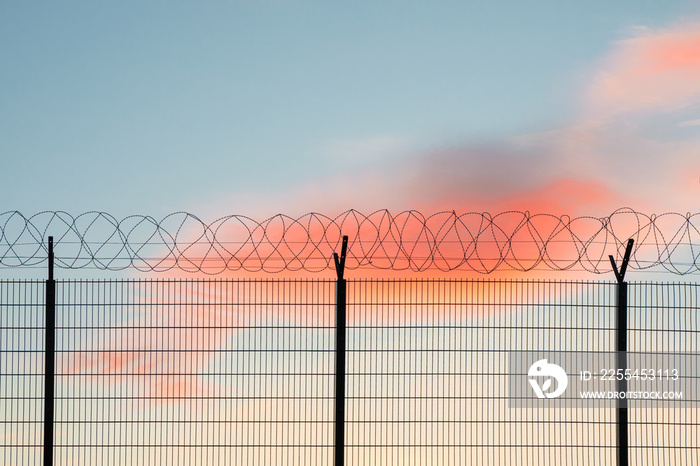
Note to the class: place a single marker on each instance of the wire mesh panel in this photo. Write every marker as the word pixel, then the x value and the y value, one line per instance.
pixel 427 372
pixel 241 372
pixel 194 372
pixel 22 326
pixel 665 318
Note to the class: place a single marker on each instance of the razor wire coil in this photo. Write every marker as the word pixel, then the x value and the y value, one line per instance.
pixel 408 240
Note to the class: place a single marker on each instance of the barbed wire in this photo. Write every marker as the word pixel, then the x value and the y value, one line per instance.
pixel 409 240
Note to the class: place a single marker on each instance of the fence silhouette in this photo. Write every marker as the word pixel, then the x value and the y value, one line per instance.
pixel 409 240
pixel 271 371
pixel 242 371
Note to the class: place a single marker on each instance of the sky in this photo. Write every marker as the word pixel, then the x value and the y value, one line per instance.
pixel 267 107
pixel 262 108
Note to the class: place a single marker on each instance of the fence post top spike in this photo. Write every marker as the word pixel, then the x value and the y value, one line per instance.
pixel 620 274
pixel 618 277
pixel 340 262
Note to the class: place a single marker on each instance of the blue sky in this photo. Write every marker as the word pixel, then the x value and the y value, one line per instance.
pixel 260 108
pixel 131 108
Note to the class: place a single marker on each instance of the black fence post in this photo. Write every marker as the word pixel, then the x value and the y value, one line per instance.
pixel 621 349
pixel 340 325
pixel 49 360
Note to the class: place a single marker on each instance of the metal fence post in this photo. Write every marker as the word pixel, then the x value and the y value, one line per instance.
pixel 340 326
pixel 621 349
pixel 49 360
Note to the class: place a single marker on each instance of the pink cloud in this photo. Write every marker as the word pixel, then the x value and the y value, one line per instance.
pixel 636 131
pixel 656 70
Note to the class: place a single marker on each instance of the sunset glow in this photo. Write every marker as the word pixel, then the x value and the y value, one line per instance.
pixel 367 233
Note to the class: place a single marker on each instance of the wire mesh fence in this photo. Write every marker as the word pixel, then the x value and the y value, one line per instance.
pixel 22 329
pixel 429 378
pixel 213 372
pixel 241 372
pixel 665 318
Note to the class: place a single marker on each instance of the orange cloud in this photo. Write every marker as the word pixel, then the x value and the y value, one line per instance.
pixel 623 149
pixel 164 350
